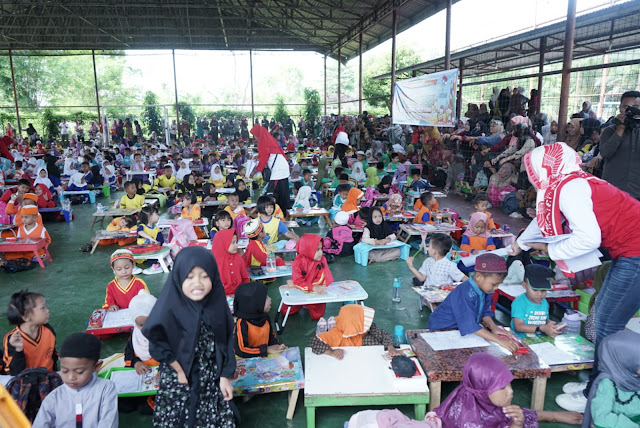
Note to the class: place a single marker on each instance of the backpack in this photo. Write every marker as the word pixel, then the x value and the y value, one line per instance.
pixel 18 265
pixel 510 203
pixel 239 222
pixel 30 387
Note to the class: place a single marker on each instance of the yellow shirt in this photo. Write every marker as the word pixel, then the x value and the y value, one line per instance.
pixel 136 202
pixel 163 181
pixel 194 214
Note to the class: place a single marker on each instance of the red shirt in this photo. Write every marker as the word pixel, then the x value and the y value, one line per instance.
pixel 121 296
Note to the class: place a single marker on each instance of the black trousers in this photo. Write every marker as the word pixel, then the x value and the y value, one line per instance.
pixel 280 189
pixel 339 153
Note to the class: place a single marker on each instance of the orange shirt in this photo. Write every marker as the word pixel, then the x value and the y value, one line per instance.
pixel 38 352
pixel 193 214
pixel 419 217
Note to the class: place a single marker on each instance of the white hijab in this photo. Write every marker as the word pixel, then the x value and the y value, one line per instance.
pixel 141 306
pixel 216 176
pixel 182 172
pixel 44 180
pixel 302 198
pixel 357 172
pixel 76 179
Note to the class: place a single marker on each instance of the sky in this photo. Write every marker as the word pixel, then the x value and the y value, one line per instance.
pixel 205 72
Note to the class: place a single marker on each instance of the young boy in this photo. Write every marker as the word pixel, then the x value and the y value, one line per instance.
pixel 84 399
pixel 418 184
pixel 306 178
pixel 32 230
pixel 481 204
pixel 428 201
pixel 342 191
pixel 223 221
pixel 167 179
pixel 86 170
pixel 395 162
pixel 436 269
pixel 530 311
pixel 233 208
pixel 469 304
pixel 125 285
pixel 131 199
pixel 256 252
pixel 344 179
pixel 17 172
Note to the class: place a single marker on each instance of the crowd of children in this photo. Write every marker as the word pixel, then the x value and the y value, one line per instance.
pixel 189 331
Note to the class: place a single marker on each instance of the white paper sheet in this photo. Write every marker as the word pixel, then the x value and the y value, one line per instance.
pixel 551 354
pixel 443 340
pixel 128 381
pixel 121 318
pixel 471 260
pixel 634 325
pixel 576 264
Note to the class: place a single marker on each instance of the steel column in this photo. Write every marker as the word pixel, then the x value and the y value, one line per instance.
pixel 253 118
pixel 175 85
pixel 339 71
pixel 15 93
pixel 394 31
pixel 360 76
pixel 543 48
pixel 447 39
pixel 325 85
pixel 95 81
pixel 570 30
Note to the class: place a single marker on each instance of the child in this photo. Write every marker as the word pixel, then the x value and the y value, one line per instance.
pixel 353 199
pixel 437 269
pixel 222 221
pixel 342 192
pixel 343 179
pixel 190 209
pixel 188 184
pixel 481 204
pixel 77 183
pixel 138 163
pixel 121 224
pixel 254 336
pixel 530 311
pixel 354 327
pixel 84 399
pixel 217 177
pixel 485 395
pixel 306 178
pixel 166 180
pixel 376 233
pixel 256 252
pixel 476 237
pixel 148 230
pixel 428 201
pixel 339 240
pixel 395 162
pixel 469 304
pixel 393 206
pixel 42 177
pixel 372 177
pixel 310 274
pixel 190 332
pixel 30 229
pixel 244 195
pixel 183 171
pixel 418 184
pixel 273 226
pixel 136 353
pixel 384 187
pixel 125 285
pixel 131 200
pixel 234 208
pixel 614 395
pixel 231 265
pixel 15 206
pixel 33 342
pixel 357 173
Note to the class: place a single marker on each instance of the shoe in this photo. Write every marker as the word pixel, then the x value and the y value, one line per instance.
pixel 574 402
pixel 331 322
pixel 86 247
pixel 572 387
pixel 322 326
pixel 137 271
pixel 156 268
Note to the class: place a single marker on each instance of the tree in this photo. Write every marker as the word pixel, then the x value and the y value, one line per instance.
pixel 186 113
pixel 281 114
pixel 151 116
pixel 312 100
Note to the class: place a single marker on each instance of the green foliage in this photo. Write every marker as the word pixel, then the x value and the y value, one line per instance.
pixel 281 114
pixel 186 113
pixel 151 116
pixel 50 121
pixel 313 107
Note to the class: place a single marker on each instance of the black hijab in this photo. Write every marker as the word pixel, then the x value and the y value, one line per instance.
pixel 387 179
pixel 378 231
pixel 173 325
pixel 243 194
pixel 249 301
pixel 186 186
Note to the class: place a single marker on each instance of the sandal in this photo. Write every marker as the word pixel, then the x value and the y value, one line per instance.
pixel 86 247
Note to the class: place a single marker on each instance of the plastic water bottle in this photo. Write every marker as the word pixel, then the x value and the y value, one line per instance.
pixel 271 261
pixel 99 208
pixel 397 283
pixel 398 336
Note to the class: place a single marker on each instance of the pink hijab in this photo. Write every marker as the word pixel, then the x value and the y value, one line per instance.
pixel 515 120
pixel 475 218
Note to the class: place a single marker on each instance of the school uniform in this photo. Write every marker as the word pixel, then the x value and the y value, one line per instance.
pixel 36 232
pixel 153 232
pixel 463 309
pixel 252 340
pixel 529 312
pixel 423 216
pixel 137 202
pixel 256 254
pixel 120 295
pixel 490 224
pixel 239 211
pixel 131 358
pixel 273 228
pixel 38 352
pixel 469 243
pixel 192 214
pixel 439 272
pixel 98 401
pixel 164 181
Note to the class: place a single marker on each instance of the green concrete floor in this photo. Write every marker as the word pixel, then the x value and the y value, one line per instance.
pixel 74 284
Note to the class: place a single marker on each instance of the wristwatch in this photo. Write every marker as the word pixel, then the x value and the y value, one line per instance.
pixel 538 329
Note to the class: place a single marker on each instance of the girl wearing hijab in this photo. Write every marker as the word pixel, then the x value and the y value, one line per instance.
pixel 190 332
pixel 301 202
pixel 614 398
pixel 323 176
pixel 393 206
pixel 353 199
pixel 311 274
pixel 357 173
pixel 477 236
pixel 109 173
pixel 354 327
pixel 244 194
pixel 184 171
pixel 372 177
pixel 253 334
pixel 217 177
pixel 42 177
pixel 485 395
pixel 232 269
pixel 45 198
pixel 377 233
pixel 188 184
pixel 384 187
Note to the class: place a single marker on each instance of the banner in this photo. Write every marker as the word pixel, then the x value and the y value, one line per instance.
pixel 428 100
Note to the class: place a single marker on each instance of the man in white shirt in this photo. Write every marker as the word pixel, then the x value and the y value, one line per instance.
pixel 64 131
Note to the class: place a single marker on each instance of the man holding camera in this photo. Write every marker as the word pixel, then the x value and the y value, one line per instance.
pixel 620 146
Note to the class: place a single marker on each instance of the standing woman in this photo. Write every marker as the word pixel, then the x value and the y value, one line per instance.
pixel 598 214
pixel 270 155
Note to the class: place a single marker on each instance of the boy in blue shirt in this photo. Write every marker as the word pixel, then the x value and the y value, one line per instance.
pixel 469 304
pixel 530 310
pixel 418 184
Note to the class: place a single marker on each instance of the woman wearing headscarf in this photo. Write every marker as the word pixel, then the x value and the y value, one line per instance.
pixel 586 111
pixel 572 131
pixel 372 177
pixel 524 143
pixel 323 176
pixel 376 233
pixel 597 214
pixel 501 183
pixel 271 155
pixel 190 332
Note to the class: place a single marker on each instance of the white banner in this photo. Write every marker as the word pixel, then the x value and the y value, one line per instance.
pixel 428 100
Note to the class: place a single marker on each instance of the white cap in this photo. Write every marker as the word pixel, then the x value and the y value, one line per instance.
pixel 342 218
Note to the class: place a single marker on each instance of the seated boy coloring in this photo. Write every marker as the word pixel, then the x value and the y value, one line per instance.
pixel 437 269
pixel 84 397
pixel 530 311
pixel 469 304
pixel 418 184
pixel 125 286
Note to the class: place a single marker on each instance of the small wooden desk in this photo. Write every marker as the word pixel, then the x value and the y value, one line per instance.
pixel 281 272
pixel 25 245
pixel 361 378
pixel 511 291
pixel 163 257
pixel 113 212
pixel 447 365
pixel 313 212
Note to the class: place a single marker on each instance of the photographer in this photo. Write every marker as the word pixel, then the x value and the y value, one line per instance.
pixel 620 146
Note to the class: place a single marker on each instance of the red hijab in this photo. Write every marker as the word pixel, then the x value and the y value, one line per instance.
pixel 48 202
pixel 308 272
pixel 267 146
pixel 230 266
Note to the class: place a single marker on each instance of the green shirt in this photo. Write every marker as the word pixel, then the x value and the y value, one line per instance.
pixel 607 412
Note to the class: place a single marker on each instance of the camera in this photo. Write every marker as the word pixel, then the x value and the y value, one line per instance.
pixel 631 118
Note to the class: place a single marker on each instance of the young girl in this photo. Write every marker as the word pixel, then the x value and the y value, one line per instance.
pixel 357 173
pixel 120 224
pixel 42 177
pixel 33 342
pixel 393 206
pixel 354 196
pixel 30 229
pixel 477 237
pixel 354 327
pixel 376 233
pixel 188 184
pixel 148 230
pixel 243 192
pixel 189 208
pixel 222 221
pixel 614 397
pixel 372 177
pixel 77 183
pixel 231 264
pixel 485 395
pixel 273 226
pixel 217 177
pixel 310 273
pixel 183 171
pixel 125 285
pixel 190 332
pixel 253 333
pixel 384 187
pixel 136 353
